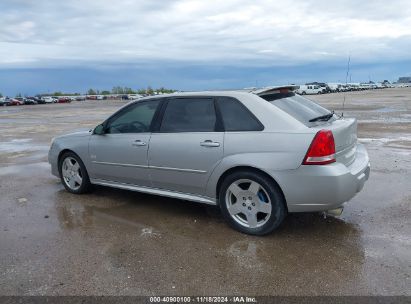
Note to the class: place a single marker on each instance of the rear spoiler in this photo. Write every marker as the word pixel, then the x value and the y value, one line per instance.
pixel 273 90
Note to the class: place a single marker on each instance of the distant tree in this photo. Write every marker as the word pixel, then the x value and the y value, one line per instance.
pixel 105 92
pixel 121 90
pixel 117 90
pixel 128 91
pixel 141 91
pixel 58 93
pixel 91 92
pixel 1 95
pixel 149 91
pixel 18 95
pixel 164 90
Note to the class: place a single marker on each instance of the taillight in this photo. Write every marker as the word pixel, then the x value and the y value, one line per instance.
pixel 321 150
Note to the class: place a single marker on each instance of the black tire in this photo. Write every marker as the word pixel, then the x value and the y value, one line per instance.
pixel 85 185
pixel 278 204
pixel 303 93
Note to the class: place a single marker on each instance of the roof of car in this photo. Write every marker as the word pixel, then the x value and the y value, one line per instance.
pixel 197 93
pixel 233 93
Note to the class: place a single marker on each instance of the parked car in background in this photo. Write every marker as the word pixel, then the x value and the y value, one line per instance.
pixel 353 87
pixel 29 101
pixel 257 154
pixel 309 89
pixel 323 86
pixel 18 101
pixel 344 88
pixel 64 100
pixel 37 99
pixel 334 87
pixel 134 96
pixel 364 86
pixel 48 99
pixel 80 98
pixel 4 101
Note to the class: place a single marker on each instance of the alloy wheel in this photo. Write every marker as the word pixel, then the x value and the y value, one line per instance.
pixel 71 172
pixel 248 203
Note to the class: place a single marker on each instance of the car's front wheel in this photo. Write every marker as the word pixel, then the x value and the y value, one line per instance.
pixel 73 174
pixel 252 203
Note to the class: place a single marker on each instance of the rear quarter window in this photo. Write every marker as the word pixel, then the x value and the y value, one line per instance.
pixel 236 117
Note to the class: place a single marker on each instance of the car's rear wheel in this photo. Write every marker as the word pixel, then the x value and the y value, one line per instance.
pixel 252 203
pixel 73 174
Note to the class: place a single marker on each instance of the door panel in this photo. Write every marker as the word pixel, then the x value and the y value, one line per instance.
pixel 120 154
pixel 184 161
pixel 187 149
pixel 120 157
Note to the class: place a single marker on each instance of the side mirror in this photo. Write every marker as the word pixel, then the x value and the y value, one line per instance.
pixel 99 130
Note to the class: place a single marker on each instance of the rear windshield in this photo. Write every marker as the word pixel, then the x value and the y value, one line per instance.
pixel 297 106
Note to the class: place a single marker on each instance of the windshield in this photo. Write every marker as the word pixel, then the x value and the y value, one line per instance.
pixel 297 106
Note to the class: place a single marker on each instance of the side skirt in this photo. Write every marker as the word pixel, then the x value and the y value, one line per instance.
pixel 155 191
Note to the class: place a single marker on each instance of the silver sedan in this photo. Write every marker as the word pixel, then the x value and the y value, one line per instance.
pixel 257 154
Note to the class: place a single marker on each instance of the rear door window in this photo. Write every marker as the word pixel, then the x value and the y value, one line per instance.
pixel 191 114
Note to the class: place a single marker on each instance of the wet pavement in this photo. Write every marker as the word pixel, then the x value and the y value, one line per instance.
pixel 115 242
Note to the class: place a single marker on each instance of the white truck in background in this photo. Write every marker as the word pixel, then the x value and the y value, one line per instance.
pixel 48 99
pixel 309 89
pixel 335 87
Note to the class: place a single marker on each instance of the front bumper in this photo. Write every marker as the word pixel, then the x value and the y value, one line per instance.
pixel 321 188
pixel 53 160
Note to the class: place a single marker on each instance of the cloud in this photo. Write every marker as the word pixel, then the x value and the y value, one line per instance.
pixel 73 45
pixel 241 32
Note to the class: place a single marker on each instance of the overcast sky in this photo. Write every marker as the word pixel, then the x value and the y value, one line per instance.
pixel 76 44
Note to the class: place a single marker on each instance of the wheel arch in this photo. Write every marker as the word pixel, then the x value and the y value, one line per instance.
pixel 64 151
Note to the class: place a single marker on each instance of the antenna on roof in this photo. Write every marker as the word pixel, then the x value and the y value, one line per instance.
pixel 346 83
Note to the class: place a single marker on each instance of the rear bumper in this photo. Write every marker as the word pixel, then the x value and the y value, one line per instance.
pixel 320 188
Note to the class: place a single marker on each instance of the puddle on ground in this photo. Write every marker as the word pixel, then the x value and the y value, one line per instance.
pixel 404 141
pixel 22 120
pixel 20 145
pixel 157 231
pixel 25 170
pixel 388 110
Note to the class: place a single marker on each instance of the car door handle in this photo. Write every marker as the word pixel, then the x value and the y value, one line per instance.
pixel 139 143
pixel 209 143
